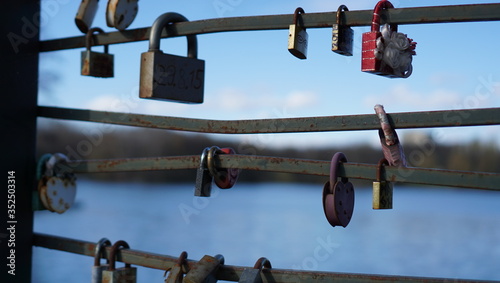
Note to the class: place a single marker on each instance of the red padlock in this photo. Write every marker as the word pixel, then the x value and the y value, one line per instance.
pixel 387 53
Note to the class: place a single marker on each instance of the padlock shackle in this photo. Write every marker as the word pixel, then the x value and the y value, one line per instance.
pixel 163 22
pixel 101 246
pixel 261 263
pixel 298 11
pixel 89 39
pixel 336 159
pixel 381 5
pixel 112 254
pixel 381 164
pixel 339 11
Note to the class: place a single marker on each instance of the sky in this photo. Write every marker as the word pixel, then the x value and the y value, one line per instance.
pixel 251 75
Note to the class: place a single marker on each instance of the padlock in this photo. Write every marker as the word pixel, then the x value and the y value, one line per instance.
pixel 203 187
pixel 204 271
pixel 97 269
pixel 224 178
pixel 297 36
pixel 342 36
pixel 57 186
pixel 253 275
pixel 125 274
pixel 387 52
pixel 391 146
pixel 170 77
pixel 96 64
pixel 338 196
pixel 121 13
pixel 382 190
pixel 176 273
pixel 85 15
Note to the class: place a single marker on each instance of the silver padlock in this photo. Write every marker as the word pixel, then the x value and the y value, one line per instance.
pixel 125 274
pixel 57 186
pixel 98 268
pixel 121 13
pixel 96 64
pixel 85 15
pixel 203 187
pixel 171 77
pixel 297 36
pixel 253 275
pixel 382 190
pixel 342 35
pixel 204 271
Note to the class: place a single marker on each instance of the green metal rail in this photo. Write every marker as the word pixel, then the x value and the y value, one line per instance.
pixel 430 119
pixel 424 176
pixel 225 272
pixel 420 15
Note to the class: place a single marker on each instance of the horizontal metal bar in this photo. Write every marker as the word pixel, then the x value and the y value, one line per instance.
pixel 451 118
pixel 419 15
pixel 225 272
pixel 423 176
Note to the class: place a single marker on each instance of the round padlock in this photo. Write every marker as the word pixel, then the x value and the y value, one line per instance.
pixel 224 178
pixel 338 196
pixel 120 13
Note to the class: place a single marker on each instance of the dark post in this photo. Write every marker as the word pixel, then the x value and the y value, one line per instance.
pixel 19 26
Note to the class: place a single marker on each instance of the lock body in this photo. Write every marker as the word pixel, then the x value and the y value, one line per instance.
pixel 171 77
pixel 85 15
pixel 121 13
pixel 382 195
pixel 297 41
pixel 97 64
pixel 250 275
pixel 97 273
pixel 342 37
pixel 120 275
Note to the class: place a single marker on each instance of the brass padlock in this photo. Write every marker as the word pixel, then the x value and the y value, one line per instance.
pixel 170 77
pixel 125 274
pixel 342 35
pixel 382 190
pixel 97 64
pixel 98 268
pixel 297 36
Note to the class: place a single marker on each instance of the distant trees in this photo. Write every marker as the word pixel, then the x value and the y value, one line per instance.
pixel 89 141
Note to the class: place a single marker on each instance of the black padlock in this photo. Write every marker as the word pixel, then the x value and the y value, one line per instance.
pixel 96 64
pixel 342 35
pixel 171 77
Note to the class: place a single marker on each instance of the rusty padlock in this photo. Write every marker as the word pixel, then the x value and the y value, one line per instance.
pixel 386 53
pixel 96 64
pixel 224 178
pixel 204 271
pixel 57 186
pixel 125 274
pixel 338 196
pixel 382 190
pixel 121 13
pixel 297 35
pixel 85 15
pixel 98 268
pixel 342 35
pixel 253 275
pixel 171 77
pixel 176 273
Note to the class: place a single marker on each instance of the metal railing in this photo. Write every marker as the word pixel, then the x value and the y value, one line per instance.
pixel 454 118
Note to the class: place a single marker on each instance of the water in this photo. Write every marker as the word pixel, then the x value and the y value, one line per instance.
pixel 438 232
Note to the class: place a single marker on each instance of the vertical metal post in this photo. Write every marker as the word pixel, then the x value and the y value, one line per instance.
pixel 19 33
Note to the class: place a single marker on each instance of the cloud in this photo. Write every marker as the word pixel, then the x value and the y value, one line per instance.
pixel 402 97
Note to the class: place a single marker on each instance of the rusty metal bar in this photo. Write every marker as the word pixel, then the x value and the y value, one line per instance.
pixel 402 16
pixel 423 176
pixel 225 272
pixel 430 119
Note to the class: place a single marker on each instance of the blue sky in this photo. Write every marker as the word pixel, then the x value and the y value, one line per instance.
pixel 252 75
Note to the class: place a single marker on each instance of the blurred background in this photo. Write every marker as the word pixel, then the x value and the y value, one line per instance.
pixel 439 232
